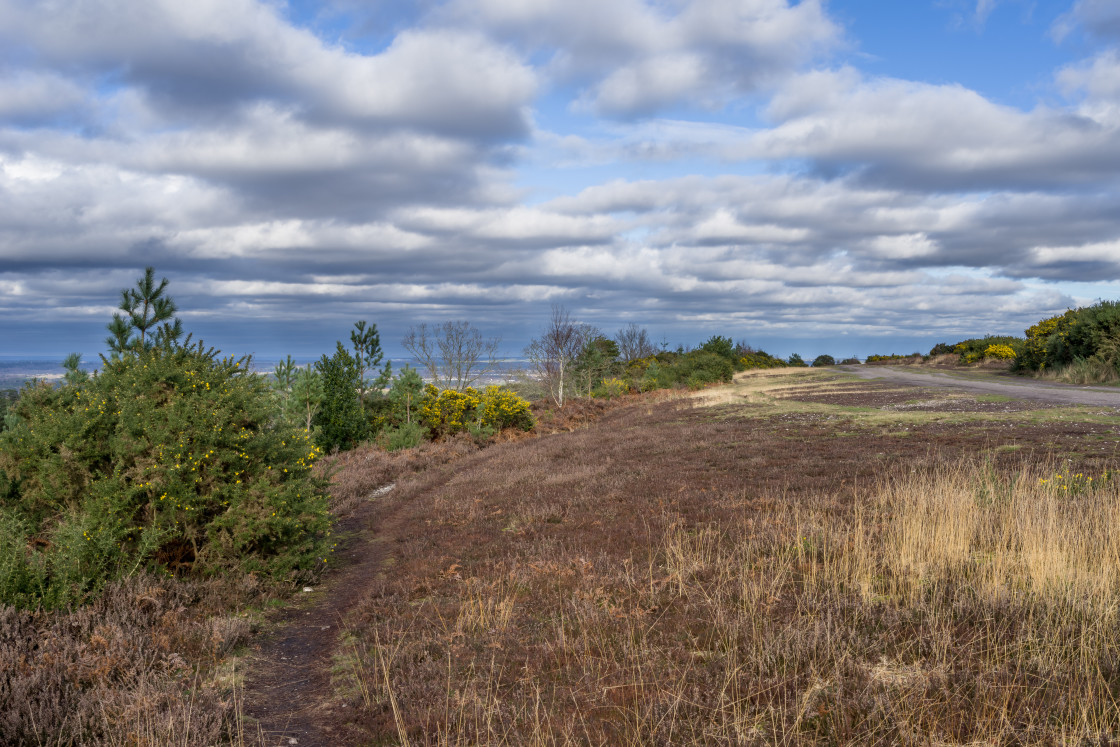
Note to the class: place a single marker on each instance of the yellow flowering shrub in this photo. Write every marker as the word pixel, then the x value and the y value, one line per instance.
pixel 999 352
pixel 501 408
pixel 611 388
pixel 447 412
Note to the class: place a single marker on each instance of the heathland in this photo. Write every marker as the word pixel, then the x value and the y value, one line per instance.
pixel 796 558
pixel 629 545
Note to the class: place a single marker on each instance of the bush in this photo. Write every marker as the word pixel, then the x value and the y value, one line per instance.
pixel 699 368
pixel 796 361
pixel 721 346
pixel 1094 334
pixel 853 361
pixel 824 360
pixel 999 353
pixel 1043 337
pixel 754 359
pixel 169 458
pixel 500 408
pixel 976 349
pixel 611 388
pixel 403 436
pixel 447 412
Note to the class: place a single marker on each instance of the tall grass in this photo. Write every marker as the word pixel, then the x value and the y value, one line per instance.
pixel 949 606
pixel 1083 372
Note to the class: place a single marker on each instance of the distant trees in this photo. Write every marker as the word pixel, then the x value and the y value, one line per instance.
pixel 824 360
pixel 634 343
pixel 455 354
pixel 553 354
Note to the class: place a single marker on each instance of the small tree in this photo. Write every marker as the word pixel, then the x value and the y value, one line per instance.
pixel 368 355
pixel 553 354
pixel 455 354
pixel 341 421
pixel 796 361
pixel 634 343
pixel 596 361
pixel 307 395
pixel 824 360
pixel 405 393
pixel 144 307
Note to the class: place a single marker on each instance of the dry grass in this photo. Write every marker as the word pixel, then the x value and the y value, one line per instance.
pixel 137 667
pixel 670 577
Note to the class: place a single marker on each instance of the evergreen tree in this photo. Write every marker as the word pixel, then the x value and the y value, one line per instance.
pixel 341 422
pixel 148 319
pixel 367 353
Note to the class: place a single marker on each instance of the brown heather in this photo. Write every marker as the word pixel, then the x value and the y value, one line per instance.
pixel 137 667
pixel 765 569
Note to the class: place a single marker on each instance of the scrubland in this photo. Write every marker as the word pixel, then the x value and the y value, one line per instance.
pixel 798 558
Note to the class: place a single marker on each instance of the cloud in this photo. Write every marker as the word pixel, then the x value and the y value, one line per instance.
pixel 214 58
pixel 633 58
pixel 1099 18
pixel 941 137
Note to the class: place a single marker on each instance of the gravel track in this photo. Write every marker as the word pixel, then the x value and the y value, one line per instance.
pixel 1008 386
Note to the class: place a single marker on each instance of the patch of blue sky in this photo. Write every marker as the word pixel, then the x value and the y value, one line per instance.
pixel 360 27
pixel 1008 55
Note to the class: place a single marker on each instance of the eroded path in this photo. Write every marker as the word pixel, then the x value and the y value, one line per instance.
pixel 288 696
pixel 1017 388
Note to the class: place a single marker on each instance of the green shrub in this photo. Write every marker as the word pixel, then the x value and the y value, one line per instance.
pixel 1094 334
pixel 796 361
pixel 403 436
pixel 169 457
pixel 824 360
pixel 699 368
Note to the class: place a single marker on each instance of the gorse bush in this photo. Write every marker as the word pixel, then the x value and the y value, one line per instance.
pixel 1080 345
pixel 170 458
pixel 999 353
pixel 989 347
pixel 447 412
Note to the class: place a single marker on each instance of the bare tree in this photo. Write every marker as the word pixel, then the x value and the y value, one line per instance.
pixel 634 343
pixel 553 354
pixel 455 354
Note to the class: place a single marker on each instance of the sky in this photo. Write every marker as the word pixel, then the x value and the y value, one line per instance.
pixel 824 176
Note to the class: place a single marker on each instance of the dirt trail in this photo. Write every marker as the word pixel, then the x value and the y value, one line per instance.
pixel 1017 388
pixel 288 691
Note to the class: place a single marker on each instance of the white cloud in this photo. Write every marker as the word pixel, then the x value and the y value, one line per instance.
pixel 635 58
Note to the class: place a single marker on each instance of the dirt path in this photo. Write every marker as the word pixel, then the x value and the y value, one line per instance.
pixel 1017 388
pixel 288 689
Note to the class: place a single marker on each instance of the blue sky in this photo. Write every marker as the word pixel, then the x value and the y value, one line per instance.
pixel 839 177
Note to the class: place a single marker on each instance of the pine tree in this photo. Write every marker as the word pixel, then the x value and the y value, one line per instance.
pixel 149 317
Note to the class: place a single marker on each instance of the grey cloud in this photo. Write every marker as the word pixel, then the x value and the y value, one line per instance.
pixel 1099 18
pixel 212 57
